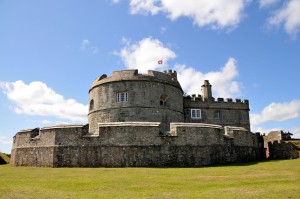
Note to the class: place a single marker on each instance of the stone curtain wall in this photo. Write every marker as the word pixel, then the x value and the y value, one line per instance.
pixel 132 144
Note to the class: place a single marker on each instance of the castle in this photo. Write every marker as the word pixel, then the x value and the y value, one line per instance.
pixel 138 120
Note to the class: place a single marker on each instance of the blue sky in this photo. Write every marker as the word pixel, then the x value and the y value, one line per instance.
pixel 51 51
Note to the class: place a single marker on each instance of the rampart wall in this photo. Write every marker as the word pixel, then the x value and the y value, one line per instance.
pixel 124 144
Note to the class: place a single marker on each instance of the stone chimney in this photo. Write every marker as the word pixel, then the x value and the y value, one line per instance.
pixel 206 91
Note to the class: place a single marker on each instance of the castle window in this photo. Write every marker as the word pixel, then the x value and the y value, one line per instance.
pixel 122 97
pixel 91 104
pixel 217 115
pixel 163 99
pixel 196 113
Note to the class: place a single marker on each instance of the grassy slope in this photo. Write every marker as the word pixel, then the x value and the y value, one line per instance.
pixel 5 157
pixel 274 179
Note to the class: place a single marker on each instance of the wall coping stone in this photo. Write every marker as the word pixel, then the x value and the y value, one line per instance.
pixel 129 124
pixel 235 128
pixel 177 124
pixel 61 127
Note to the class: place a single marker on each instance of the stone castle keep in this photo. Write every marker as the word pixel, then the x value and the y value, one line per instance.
pixel 145 120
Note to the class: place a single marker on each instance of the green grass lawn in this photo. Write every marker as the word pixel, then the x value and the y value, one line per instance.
pixel 272 179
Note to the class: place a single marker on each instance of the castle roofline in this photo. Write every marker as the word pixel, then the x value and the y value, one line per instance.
pixel 168 77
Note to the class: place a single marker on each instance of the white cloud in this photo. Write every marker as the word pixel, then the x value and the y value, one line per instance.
pixel 223 83
pixel 263 130
pixel 144 55
pixel 289 16
pixel 295 131
pixel 144 6
pixel 5 140
pixel 87 46
pixel 277 112
pixel 267 3
pixel 37 98
pixel 214 13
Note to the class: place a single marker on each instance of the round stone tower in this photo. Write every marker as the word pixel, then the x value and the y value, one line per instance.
pixel 129 96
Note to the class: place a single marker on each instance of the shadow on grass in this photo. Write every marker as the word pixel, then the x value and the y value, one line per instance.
pixel 239 164
pixel 250 163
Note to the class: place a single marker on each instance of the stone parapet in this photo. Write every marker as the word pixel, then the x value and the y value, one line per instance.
pixel 133 144
pixel 167 77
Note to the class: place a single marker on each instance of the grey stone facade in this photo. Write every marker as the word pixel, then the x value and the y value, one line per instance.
pixel 130 144
pixel 158 97
pixel 143 98
pixel 144 120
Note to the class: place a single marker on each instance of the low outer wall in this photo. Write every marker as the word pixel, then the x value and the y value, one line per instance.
pixel 33 156
pixel 151 156
pixel 36 147
pixel 134 145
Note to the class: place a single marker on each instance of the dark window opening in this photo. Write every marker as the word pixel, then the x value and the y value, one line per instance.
pixel 91 104
pixel 217 115
pixel 163 99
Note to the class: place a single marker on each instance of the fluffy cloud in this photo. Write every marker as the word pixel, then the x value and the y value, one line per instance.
pixel 267 3
pixel 144 6
pixel 145 54
pixel 277 112
pixel 87 46
pixel 222 80
pixel 214 13
pixel 263 130
pixel 37 98
pixel 289 16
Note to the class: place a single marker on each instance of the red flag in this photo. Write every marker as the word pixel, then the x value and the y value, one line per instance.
pixel 160 61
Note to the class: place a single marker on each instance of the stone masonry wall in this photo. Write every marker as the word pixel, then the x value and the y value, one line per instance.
pixel 132 144
pixel 144 92
pixel 232 113
pixel 277 148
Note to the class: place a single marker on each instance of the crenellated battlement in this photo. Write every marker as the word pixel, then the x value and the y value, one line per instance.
pixel 172 73
pixel 168 76
pixel 199 97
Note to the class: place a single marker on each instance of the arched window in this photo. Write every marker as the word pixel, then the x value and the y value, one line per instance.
pixel 91 104
pixel 163 99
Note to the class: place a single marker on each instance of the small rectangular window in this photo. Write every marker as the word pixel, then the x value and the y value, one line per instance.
pixel 196 113
pixel 217 115
pixel 122 97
